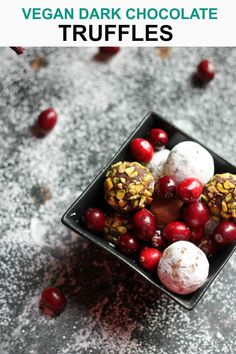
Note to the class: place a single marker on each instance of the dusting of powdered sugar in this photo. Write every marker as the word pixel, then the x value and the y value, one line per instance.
pixel 110 310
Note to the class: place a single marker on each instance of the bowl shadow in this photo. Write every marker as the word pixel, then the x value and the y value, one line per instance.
pixel 106 291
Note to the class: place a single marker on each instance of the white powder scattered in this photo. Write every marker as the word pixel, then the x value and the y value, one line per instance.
pixel 38 231
pixel 110 310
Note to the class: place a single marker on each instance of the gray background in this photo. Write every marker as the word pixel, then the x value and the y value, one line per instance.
pixel 110 310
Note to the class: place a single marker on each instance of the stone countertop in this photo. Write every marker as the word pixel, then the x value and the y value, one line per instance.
pixel 110 309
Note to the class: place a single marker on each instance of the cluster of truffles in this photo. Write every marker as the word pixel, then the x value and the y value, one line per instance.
pixel 168 210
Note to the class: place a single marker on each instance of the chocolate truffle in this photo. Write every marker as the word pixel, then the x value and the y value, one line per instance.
pixel 116 224
pixel 166 210
pixel 128 186
pixel 183 267
pixel 157 163
pixel 220 196
pixel 190 159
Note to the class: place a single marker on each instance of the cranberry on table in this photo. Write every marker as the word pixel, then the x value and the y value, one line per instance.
pixel 47 120
pixel 149 259
pixel 94 219
pixel 158 138
pixel 208 246
pixel 144 224
pixel 195 214
pixel 165 187
pixel 128 244
pixel 141 150
pixel 157 240
pixel 109 50
pixel 53 299
pixel 189 189
pixel 197 234
pixel 206 70
pixel 176 231
pixel 18 50
pixel 225 233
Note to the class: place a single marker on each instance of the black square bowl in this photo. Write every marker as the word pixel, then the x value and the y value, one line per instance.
pixel 93 196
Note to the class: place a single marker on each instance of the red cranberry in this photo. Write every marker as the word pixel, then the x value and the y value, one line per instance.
pixel 176 231
pixel 128 244
pixel 47 120
pixel 225 233
pixel 165 187
pixel 158 138
pixel 189 189
pixel 206 70
pixel 18 50
pixel 52 301
pixel 208 246
pixel 149 259
pixel 144 225
pixel 94 219
pixel 195 214
pixel 157 241
pixel 141 150
pixel 196 235
pixel 109 50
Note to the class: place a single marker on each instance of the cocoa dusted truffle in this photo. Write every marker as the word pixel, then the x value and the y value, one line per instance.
pixel 166 210
pixel 128 186
pixel 220 195
pixel 116 224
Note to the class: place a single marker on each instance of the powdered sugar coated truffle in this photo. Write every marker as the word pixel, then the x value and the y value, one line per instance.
pixel 183 267
pixel 190 159
pixel 157 163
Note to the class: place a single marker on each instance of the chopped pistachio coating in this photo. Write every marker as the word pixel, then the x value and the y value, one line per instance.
pixel 116 225
pixel 128 186
pixel 220 195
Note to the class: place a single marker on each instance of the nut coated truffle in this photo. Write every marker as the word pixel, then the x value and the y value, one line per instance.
pixel 220 196
pixel 128 186
pixel 183 268
pixel 190 159
pixel 116 224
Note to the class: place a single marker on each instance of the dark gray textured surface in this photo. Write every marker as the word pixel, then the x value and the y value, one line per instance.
pixel 109 309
